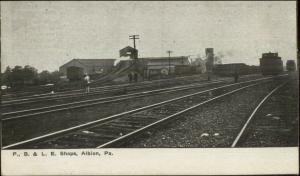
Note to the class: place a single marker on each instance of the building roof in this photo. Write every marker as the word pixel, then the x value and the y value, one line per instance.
pixel 94 62
pixel 232 64
pixel 128 48
pixel 91 62
pixel 270 56
pixel 159 59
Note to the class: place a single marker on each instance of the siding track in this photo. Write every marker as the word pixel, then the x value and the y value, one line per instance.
pixel 115 128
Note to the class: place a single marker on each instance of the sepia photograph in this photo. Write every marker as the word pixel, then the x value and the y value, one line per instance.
pixel 115 78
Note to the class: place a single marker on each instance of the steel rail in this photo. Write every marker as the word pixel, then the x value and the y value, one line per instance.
pixel 102 120
pixel 55 97
pixel 172 116
pixel 84 101
pixel 68 96
pixel 253 113
pixel 100 101
pixel 92 89
pixel 105 100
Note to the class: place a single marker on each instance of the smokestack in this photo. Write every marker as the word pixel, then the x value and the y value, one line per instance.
pixel 209 51
pixel 209 59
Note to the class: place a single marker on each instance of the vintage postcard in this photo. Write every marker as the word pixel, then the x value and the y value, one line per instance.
pixel 149 87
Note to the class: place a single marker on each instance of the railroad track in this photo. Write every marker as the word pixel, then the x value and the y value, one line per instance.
pixel 106 90
pixel 217 124
pixel 243 140
pixel 11 98
pixel 66 95
pixel 92 102
pixel 7 116
pixel 107 131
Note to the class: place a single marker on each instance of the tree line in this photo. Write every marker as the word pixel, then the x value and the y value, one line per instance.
pixel 28 76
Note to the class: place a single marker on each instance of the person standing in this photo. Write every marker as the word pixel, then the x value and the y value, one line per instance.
pixel 135 77
pixel 130 77
pixel 236 75
pixel 208 76
pixel 87 83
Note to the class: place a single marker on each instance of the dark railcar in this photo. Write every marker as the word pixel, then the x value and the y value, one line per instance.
pixel 229 69
pixel 290 65
pixel 271 64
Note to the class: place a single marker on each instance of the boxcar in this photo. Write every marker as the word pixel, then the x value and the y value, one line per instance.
pixel 290 65
pixel 271 64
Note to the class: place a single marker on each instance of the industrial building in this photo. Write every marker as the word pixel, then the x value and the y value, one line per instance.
pixel 89 66
pixel 163 65
pixel 155 66
pixel 144 66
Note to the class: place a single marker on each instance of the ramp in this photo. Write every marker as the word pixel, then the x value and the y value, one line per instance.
pixel 123 68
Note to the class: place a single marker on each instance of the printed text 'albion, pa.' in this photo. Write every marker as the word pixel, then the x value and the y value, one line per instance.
pixel 61 153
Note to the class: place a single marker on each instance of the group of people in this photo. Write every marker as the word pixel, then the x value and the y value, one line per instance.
pixel 132 77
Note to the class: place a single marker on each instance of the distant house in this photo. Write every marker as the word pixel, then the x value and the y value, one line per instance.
pixel 129 51
pixel 89 66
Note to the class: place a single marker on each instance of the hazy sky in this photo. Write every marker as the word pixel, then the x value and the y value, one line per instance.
pixel 48 34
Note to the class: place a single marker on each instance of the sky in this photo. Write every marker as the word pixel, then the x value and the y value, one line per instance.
pixel 47 34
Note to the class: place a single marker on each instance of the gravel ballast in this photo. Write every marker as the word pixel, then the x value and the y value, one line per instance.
pixel 276 123
pixel 34 126
pixel 213 125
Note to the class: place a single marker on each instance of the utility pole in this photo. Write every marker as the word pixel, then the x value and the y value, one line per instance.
pixel 135 56
pixel 134 37
pixel 169 52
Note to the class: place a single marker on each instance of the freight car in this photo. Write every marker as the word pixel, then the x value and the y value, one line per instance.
pixel 271 64
pixel 290 65
pixel 229 69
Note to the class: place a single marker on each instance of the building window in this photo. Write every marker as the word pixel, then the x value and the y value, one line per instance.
pixel 99 70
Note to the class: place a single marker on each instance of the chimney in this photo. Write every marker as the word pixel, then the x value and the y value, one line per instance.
pixel 210 58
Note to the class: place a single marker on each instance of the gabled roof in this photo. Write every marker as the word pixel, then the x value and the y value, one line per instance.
pixel 91 62
pixel 127 48
pixel 94 62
